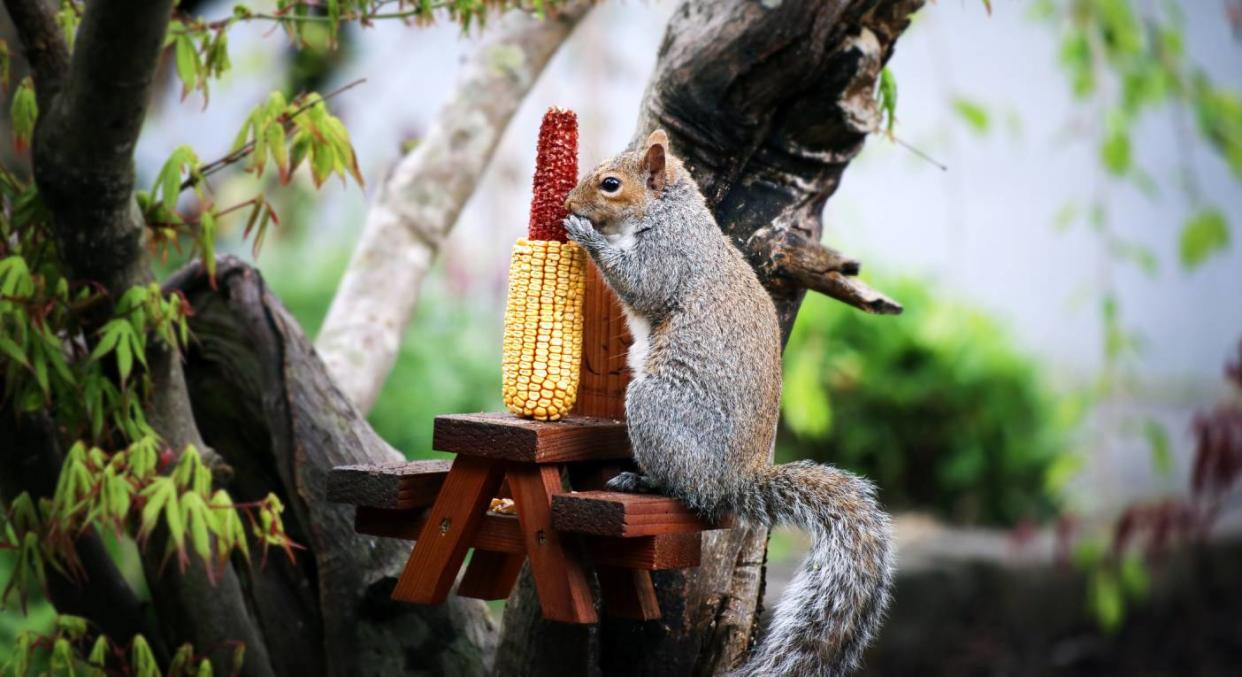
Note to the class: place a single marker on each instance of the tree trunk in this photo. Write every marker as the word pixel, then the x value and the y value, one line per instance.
pixel 266 404
pixel 766 103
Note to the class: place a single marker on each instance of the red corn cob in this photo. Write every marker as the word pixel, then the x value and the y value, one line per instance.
pixel 556 172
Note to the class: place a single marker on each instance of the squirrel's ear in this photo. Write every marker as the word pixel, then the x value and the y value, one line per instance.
pixel 655 161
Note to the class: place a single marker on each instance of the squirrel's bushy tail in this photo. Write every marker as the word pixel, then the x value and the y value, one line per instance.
pixel 835 604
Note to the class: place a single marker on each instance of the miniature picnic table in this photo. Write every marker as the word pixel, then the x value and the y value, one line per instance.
pixel 444 507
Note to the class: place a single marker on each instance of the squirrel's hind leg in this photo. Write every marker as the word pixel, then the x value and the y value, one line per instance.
pixel 633 483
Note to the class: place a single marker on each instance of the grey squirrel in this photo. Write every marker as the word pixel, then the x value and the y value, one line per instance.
pixel 703 402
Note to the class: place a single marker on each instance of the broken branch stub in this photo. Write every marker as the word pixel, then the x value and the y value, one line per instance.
pixel 789 257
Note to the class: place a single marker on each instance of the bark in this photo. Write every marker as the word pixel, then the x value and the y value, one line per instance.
pixel 418 203
pixel 767 103
pixel 273 413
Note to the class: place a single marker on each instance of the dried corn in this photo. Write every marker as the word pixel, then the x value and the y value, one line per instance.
pixel 543 320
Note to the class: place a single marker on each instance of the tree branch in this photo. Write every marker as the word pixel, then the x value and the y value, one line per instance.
pixel 418 203
pixel 113 69
pixel 84 143
pixel 43 45
pixel 788 257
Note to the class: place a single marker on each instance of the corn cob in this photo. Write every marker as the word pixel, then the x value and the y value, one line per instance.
pixel 543 320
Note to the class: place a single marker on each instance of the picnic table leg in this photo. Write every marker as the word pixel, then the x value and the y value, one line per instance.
pixel 451 524
pixel 560 579
pixel 628 593
pixel 490 575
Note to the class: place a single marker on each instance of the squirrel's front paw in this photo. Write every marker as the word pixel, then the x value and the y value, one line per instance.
pixel 579 229
pixel 633 483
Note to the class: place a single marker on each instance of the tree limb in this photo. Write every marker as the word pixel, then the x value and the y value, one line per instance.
pixel 418 203
pixel 84 142
pixel 43 45
pixel 787 256
pixel 769 106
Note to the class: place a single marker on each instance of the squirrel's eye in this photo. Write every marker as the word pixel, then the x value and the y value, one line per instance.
pixel 610 185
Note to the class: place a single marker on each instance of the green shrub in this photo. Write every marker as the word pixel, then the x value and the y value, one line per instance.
pixel 936 405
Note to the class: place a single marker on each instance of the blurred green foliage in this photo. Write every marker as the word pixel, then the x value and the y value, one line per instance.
pixel 936 405
pixel 1124 60
pixel 39 614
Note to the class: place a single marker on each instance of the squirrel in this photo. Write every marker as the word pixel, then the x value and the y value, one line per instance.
pixel 703 402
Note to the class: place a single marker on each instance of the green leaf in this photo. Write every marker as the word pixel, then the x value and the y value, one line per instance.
pixel 40 370
pixel 15 279
pixel 207 242
pixel 112 333
pixel 888 98
pixel 973 113
pixel 68 19
pixel 24 114
pixel 62 658
pixel 73 626
pixel 99 652
pixel 142 660
pixel 1076 58
pixel 158 494
pixel 1203 234
pixel 181 660
pixel 1115 152
pixel 14 351
pixel 124 358
pixel 1134 579
pixel 176 524
pixel 218 56
pixel 1158 440
pixel 188 64
pixel 1106 600
pixel 1219 113
pixel 194 514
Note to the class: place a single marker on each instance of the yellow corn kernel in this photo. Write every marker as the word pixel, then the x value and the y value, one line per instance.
pixel 543 329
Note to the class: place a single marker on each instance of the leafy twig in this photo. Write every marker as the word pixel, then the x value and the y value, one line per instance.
pixel 242 153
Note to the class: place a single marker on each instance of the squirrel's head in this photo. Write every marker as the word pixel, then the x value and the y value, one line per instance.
pixel 621 188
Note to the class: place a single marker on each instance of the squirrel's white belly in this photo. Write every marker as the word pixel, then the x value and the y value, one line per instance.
pixel 640 331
